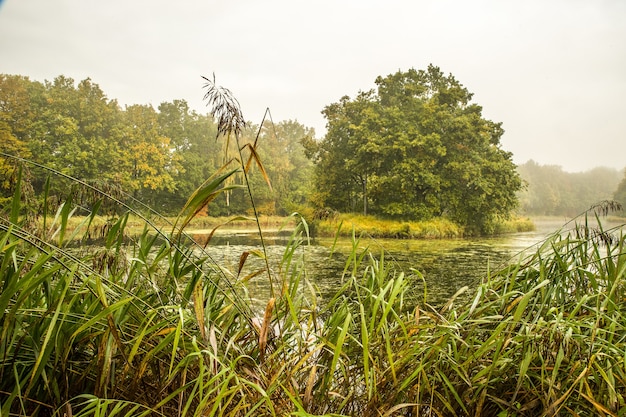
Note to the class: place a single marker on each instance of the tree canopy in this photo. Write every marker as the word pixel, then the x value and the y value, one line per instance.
pixel 157 155
pixel 415 147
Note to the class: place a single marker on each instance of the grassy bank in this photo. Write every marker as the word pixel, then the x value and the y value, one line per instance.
pixel 344 225
pixel 440 228
pixel 98 225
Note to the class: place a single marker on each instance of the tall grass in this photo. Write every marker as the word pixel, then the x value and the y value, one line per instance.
pixel 328 224
pixel 132 321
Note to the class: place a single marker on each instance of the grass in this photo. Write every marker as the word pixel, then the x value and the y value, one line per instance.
pixel 345 224
pixel 135 224
pixel 439 228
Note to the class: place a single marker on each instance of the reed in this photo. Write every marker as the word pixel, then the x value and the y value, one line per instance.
pixel 439 228
pixel 344 224
pixel 543 336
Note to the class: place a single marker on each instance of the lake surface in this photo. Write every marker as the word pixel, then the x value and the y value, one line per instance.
pixel 446 264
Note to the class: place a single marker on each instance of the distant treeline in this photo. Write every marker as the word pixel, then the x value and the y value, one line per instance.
pixel 552 191
pixel 159 156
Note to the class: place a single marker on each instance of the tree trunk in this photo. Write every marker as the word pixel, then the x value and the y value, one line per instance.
pixel 365 195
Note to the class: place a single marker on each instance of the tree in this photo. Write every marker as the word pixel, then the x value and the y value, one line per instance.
pixel 344 158
pixel 415 148
pixel 76 131
pixel 160 157
pixel 620 193
pixel 552 191
pixel 15 119
pixel 193 140
pixel 288 168
pixel 148 163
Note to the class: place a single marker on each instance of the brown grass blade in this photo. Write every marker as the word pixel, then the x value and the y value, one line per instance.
pixel 198 305
pixel 254 155
pixel 267 319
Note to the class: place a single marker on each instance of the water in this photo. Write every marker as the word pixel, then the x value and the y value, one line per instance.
pixel 446 265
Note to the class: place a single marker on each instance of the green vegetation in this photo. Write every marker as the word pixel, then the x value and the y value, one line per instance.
pixel 440 228
pixel 159 156
pixel 153 326
pixel 347 225
pixel 415 149
pixel 551 191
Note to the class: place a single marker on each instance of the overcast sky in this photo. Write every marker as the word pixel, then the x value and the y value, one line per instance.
pixel 553 71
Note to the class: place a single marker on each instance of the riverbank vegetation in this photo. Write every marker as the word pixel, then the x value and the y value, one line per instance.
pixel 161 155
pixel 440 228
pixel 415 148
pixel 151 325
pixel 157 155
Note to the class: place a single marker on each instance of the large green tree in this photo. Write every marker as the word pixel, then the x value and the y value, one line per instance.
pixel 76 130
pixel 415 148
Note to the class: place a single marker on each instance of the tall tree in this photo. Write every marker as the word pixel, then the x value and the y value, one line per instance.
pixel 347 155
pixel 416 147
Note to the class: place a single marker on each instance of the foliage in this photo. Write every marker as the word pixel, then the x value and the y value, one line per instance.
pixel 514 225
pixel 346 225
pixel 159 156
pixel 620 193
pixel 14 124
pixel 331 224
pixel 111 327
pixel 148 163
pixel 552 191
pixel 289 170
pixel 415 148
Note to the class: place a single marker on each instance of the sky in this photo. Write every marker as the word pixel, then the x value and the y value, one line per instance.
pixel 552 71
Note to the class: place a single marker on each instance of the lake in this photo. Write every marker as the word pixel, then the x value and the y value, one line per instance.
pixel 446 264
